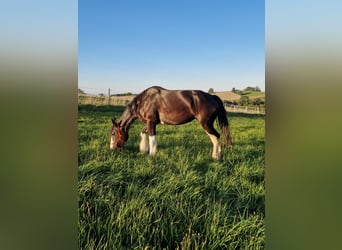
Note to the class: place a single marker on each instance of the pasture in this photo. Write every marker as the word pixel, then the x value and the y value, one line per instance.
pixel 178 199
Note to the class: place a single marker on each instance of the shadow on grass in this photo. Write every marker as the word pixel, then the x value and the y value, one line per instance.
pixel 102 108
pixel 202 166
pixel 245 115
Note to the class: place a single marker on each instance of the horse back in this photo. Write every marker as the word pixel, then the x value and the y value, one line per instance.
pixel 175 106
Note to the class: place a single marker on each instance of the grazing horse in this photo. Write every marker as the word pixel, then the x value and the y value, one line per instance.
pixel 158 105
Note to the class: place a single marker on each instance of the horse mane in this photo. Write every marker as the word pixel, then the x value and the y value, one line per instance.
pixel 138 100
pixel 130 113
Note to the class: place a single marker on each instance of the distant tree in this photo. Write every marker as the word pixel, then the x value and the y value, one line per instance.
pixel 256 89
pixel 211 90
pixel 228 103
pixel 258 102
pixel 236 91
pixel 244 100
pixel 249 89
pixel 101 94
pixel 123 94
pixel 80 91
pixel 239 92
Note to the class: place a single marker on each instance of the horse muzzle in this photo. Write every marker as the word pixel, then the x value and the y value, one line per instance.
pixel 118 145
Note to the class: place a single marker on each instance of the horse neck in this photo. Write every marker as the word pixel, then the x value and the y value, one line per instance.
pixel 127 118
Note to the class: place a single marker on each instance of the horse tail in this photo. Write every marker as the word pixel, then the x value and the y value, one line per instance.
pixel 222 121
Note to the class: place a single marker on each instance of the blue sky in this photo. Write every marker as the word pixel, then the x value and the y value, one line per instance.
pixel 180 44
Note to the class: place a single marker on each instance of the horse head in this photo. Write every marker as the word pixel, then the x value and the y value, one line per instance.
pixel 118 136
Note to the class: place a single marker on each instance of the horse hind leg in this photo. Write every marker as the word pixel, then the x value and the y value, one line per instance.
pixel 144 144
pixel 214 137
pixel 216 154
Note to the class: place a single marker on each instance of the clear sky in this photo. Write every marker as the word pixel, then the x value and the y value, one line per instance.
pixel 129 45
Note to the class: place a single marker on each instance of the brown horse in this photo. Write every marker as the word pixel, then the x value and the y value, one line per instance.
pixel 158 105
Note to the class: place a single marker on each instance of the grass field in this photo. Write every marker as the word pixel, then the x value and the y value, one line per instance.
pixel 254 94
pixel 178 199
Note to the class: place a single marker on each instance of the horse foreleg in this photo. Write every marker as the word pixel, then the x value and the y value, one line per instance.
pixel 143 146
pixel 151 127
pixel 216 146
pixel 153 144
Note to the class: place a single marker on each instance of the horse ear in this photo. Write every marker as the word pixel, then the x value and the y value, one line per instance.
pixel 116 124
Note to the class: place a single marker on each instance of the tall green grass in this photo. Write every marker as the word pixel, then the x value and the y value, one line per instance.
pixel 178 199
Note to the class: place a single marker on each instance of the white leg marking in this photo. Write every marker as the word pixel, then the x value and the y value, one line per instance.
pixel 216 147
pixel 111 143
pixel 153 144
pixel 143 146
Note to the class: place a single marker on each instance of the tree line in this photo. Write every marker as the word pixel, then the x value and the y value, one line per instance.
pixel 244 100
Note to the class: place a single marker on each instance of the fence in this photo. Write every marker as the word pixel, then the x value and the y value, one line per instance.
pixel 124 100
pixel 245 109
pixel 104 100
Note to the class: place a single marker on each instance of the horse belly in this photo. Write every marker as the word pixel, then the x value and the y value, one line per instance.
pixel 175 118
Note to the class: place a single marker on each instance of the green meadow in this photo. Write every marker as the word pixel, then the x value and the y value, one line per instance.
pixel 178 199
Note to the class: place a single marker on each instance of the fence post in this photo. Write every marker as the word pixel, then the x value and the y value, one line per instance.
pixel 108 96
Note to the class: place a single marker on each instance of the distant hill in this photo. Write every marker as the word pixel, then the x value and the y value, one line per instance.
pixel 227 95
pixel 231 96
